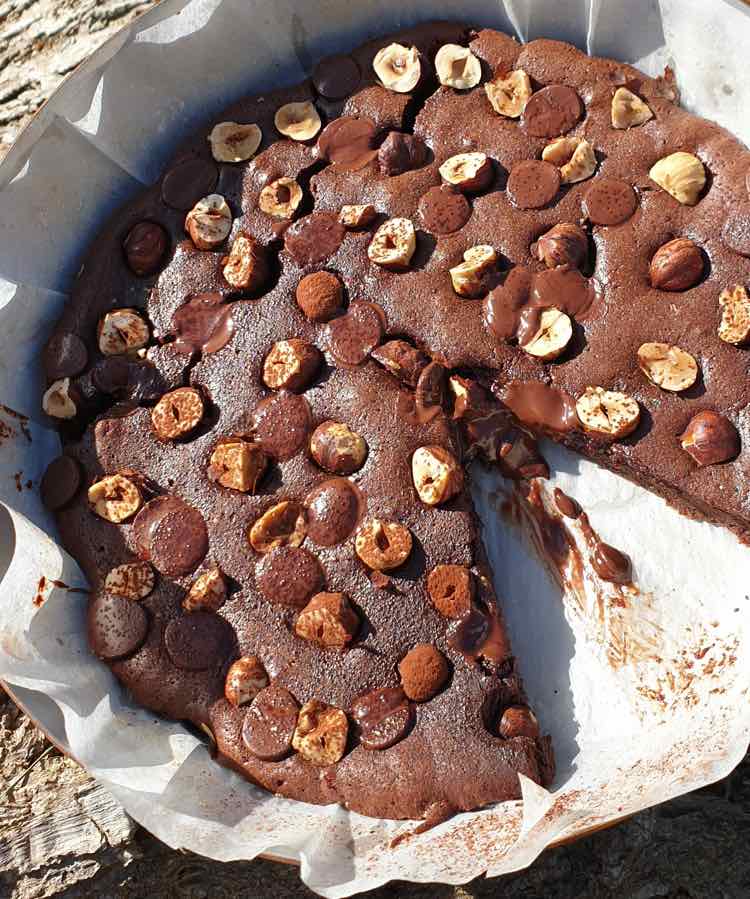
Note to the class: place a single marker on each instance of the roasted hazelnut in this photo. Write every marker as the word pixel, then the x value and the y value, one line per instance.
pixel 424 672
pixel 734 326
pixel 393 244
pixel 300 121
pixel 469 172
pixel 608 412
pixel 359 216
pixel 328 620
pixel 628 110
pixel 401 153
pixel 457 67
pixel 320 296
pixel 509 94
pixel 398 67
pixel 710 438
pixel 145 247
pixel 233 142
pixel 563 244
pixel 209 222
pixel 336 448
pixel 245 679
pixel 291 365
pixel 682 175
pixel 574 156
pixel 437 475
pixel 208 592
pixel 122 331
pixel 551 337
pixel 237 464
pixel 667 366
pixel 402 360
pixel 246 267
pixel 280 198
pixel 132 580
pixel 677 265
pixel 321 733
pixel 114 498
pixel 451 589
pixel 57 401
pixel 177 413
pixel 282 525
pixel 518 721
pixel 383 545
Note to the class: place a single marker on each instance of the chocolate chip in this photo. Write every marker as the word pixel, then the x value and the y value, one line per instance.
pixel 384 717
pixel 117 627
pixel 64 355
pixel 335 77
pixel 187 182
pixel 282 423
pixel 333 510
pixel 401 153
pixel 60 482
pixel 145 247
pixel 289 576
pixel 443 210
pixel 430 392
pixel 139 381
pixel 347 143
pixel 314 238
pixel 147 519
pixel 171 534
pixel 198 641
pixel 533 184
pixel 609 201
pixel 352 337
pixel 270 722
pixel 551 111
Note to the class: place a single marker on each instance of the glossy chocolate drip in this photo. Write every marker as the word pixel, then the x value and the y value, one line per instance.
pixel 565 288
pixel 566 505
pixel 540 405
pixel 608 562
pixel 347 143
pixel 480 635
pixel 503 306
pixel 204 324
pixel 529 323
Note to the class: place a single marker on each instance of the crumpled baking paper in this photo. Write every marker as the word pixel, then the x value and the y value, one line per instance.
pixel 645 697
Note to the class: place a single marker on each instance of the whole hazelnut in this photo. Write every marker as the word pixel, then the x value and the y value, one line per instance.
pixel 336 448
pixel 401 153
pixel 677 265
pixel 291 365
pixel 563 244
pixel 518 721
pixel 145 247
pixel 710 438
pixel 424 672
pixel 320 296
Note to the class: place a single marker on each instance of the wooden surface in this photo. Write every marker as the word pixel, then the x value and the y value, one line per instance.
pixel 61 835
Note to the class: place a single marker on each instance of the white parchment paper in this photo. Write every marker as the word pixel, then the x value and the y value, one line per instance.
pixel 645 699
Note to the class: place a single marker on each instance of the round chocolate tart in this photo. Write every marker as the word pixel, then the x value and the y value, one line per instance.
pixel 276 360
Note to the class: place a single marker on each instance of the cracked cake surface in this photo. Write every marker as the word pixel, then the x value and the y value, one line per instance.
pixel 277 360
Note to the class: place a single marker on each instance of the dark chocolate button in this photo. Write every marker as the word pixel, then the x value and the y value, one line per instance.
pixel 352 337
pixel 282 424
pixel 203 324
pixel 60 482
pixel 128 379
pixel 347 143
pixel 384 717
pixel 187 182
pixel 334 509
pixel 539 404
pixel 145 247
pixel 147 518
pixel 609 201
pixel 552 111
pixel 401 153
pixel 736 232
pixel 443 210
pixel 117 627
pixel 533 184
pixel 314 238
pixel 335 77
pixel 179 541
pixel 269 723
pixel 198 641
pixel 64 355
pixel 289 576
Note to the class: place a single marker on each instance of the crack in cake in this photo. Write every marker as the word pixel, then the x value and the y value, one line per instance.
pixel 276 361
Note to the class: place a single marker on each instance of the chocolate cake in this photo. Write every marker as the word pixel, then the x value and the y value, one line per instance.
pixel 276 361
